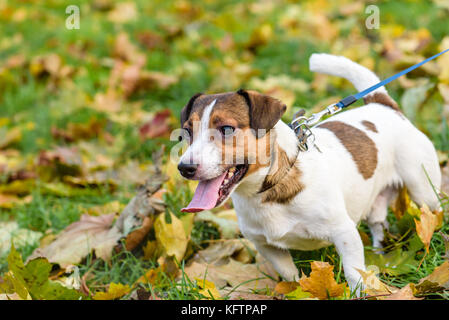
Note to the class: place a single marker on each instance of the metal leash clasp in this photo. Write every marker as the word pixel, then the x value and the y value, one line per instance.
pixel 301 125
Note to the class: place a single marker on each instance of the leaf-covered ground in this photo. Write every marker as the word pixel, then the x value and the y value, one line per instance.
pixel 84 112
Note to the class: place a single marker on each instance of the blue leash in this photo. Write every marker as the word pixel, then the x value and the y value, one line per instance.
pixel 353 98
pixel 301 124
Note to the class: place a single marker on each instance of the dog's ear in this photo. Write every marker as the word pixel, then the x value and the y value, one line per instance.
pixel 185 112
pixel 264 111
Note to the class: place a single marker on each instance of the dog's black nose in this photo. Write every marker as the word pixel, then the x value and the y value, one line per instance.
pixel 187 169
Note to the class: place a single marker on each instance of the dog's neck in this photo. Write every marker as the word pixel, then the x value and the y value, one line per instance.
pixel 275 179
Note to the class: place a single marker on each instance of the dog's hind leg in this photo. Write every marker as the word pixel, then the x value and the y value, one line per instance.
pixel 419 170
pixel 377 218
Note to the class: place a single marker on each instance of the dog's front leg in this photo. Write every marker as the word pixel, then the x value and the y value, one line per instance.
pixel 281 260
pixel 349 246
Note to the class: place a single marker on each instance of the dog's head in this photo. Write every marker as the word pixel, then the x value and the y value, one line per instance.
pixel 229 138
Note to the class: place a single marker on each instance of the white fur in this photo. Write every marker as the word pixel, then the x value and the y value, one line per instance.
pixel 359 76
pixel 336 197
pixel 203 151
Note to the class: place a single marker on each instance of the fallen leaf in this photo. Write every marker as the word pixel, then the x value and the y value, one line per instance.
pixel 406 293
pixel 10 201
pixel 235 274
pixel 394 262
pixel 426 225
pixel 151 250
pixel 321 282
pixel 412 99
pixel 299 294
pixel 80 131
pixel 156 127
pixel 285 287
pixel 80 238
pixel 220 252
pixel 149 277
pixel 115 291
pixel 9 137
pixel 237 295
pixel 373 285
pixel 123 12
pixel 110 207
pixel 31 279
pixel 135 237
pixel 208 289
pixel 171 236
pixel 437 280
pixel 10 233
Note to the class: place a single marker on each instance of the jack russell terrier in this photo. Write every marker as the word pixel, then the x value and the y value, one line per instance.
pixel 286 199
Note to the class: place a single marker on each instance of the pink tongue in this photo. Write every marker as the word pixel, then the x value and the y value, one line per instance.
pixel 206 195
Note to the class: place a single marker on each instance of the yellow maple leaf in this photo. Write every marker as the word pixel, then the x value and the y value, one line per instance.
pixel 321 283
pixel 115 291
pixel 426 225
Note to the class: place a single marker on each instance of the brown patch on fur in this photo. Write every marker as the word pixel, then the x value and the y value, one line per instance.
pixel 382 98
pixel 370 126
pixel 283 182
pixel 264 111
pixel 232 111
pixel 362 149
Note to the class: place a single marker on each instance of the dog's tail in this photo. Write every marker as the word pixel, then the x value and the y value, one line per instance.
pixel 359 76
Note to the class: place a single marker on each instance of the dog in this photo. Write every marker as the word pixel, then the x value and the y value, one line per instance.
pixel 316 198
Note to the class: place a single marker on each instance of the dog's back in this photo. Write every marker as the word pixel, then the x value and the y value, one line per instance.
pixel 379 137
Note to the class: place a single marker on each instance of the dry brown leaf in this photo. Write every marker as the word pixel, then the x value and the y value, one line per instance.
pixel 234 273
pixel 406 293
pixel 156 127
pixel 135 237
pixel 440 275
pixel 80 238
pixel 123 12
pixel 237 295
pixel 321 282
pixel 220 252
pixel 285 287
pixel 110 101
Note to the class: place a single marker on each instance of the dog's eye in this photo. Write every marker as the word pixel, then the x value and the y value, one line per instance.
pixel 227 130
pixel 185 135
